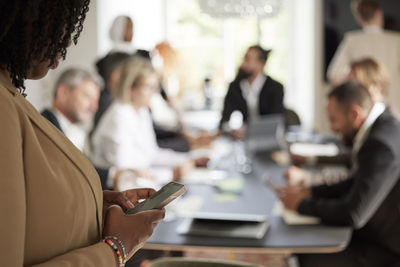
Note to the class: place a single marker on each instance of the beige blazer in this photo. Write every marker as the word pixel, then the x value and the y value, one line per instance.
pixel 50 194
pixel 383 46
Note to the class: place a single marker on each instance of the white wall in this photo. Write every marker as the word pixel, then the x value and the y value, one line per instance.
pixel 321 123
pixel 301 85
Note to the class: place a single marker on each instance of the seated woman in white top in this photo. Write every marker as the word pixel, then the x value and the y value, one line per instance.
pixel 125 136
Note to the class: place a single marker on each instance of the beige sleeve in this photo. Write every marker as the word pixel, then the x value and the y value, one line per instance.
pixel 12 201
pixel 12 189
pixel 98 255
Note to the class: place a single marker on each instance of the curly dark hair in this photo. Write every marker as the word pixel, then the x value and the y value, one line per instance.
pixel 37 30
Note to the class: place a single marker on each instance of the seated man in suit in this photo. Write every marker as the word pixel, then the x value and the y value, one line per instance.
pixel 76 98
pixel 369 199
pixel 372 76
pixel 252 92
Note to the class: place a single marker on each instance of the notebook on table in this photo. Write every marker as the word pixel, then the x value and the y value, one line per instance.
pixel 223 228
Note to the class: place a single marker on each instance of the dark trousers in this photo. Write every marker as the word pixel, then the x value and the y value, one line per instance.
pixel 358 253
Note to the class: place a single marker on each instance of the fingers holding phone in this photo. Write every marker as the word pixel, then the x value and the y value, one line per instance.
pixel 161 198
pixel 134 195
pixel 133 230
pixel 136 225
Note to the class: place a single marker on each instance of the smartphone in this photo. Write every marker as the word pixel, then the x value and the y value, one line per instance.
pixel 161 198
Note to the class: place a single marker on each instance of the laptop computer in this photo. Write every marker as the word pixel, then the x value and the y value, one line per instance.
pixel 225 224
pixel 223 228
pixel 266 133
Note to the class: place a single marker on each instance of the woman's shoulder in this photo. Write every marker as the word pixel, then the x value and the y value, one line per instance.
pixel 7 102
pixel 10 113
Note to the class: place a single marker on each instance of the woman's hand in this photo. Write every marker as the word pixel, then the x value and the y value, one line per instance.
pixel 132 230
pixel 125 199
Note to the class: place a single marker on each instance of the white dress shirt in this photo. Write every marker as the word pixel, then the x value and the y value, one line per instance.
pixel 376 43
pixel 125 138
pixel 362 134
pixel 73 131
pixel 251 93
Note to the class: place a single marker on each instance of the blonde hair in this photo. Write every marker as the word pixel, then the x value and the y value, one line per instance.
pixel 133 71
pixel 369 73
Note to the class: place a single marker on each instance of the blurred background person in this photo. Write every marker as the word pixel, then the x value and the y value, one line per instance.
pixel 371 42
pixel 252 93
pixel 163 57
pixel 368 199
pixel 76 95
pixel 372 76
pixel 125 135
pixel 171 138
pixel 121 34
pixel 109 70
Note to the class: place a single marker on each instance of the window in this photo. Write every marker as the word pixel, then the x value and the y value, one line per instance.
pixel 214 47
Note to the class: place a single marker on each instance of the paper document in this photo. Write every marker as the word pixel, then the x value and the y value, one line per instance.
pixel 314 150
pixel 204 176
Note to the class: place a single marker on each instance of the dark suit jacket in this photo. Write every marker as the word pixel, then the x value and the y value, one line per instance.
pixel 103 173
pixel 270 100
pixel 369 201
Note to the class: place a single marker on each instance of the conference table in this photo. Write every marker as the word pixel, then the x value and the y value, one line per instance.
pixel 255 197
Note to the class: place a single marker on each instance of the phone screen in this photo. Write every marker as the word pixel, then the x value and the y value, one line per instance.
pixel 161 198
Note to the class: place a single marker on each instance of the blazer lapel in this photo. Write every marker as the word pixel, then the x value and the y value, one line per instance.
pixel 64 145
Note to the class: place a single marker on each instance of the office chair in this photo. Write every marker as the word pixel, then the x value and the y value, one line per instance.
pixel 291 118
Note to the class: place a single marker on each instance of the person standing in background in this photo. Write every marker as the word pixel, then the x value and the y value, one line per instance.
pixel 372 42
pixel 121 35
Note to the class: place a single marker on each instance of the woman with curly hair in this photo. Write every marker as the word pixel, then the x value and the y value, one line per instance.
pixel 53 210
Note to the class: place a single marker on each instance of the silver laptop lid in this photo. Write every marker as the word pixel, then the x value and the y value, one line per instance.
pixel 266 132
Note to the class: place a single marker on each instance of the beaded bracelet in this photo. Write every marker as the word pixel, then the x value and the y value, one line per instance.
pixel 120 244
pixel 116 250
